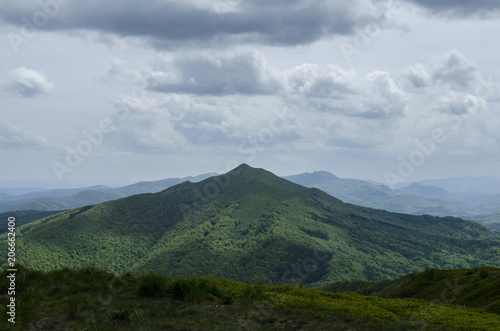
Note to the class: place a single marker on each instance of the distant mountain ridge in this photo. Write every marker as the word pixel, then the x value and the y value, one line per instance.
pixel 468 185
pixel 62 199
pixel 415 198
pixel 428 192
pixel 251 225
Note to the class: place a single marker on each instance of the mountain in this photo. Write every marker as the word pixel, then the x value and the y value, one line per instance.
pixel 371 195
pixel 157 186
pixel 19 190
pixel 467 185
pixel 43 200
pixel 63 199
pixel 6 197
pixel 428 192
pixel 416 198
pixel 251 225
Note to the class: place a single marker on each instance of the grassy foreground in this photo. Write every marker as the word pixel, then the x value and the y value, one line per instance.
pixel 93 299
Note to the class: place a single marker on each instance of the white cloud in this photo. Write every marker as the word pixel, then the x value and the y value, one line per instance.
pixel 14 137
pixel 459 104
pixel 454 71
pixel 119 72
pixel 311 81
pixel 28 83
pixel 337 91
pixel 450 84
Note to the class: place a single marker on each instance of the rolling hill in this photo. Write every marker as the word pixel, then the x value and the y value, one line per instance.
pixel 251 225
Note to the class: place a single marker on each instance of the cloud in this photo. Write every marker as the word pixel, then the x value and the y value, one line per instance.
pixel 181 123
pixel 453 71
pixel 204 105
pixel 460 9
pixel 141 125
pixel 244 73
pixel 449 94
pixel 459 104
pixel 310 81
pixel 451 84
pixel 417 76
pixel 28 83
pixel 170 24
pixel 342 92
pixel 14 137
pixel 120 73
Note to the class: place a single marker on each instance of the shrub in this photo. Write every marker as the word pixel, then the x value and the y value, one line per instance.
pixel 153 284
pixel 194 289
pixel 123 315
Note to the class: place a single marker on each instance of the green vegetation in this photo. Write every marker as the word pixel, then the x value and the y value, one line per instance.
pixel 470 288
pixel 250 225
pixel 24 217
pixel 94 299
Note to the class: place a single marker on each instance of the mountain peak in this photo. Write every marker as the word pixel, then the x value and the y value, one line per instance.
pixel 243 166
pixel 325 174
pixel 250 171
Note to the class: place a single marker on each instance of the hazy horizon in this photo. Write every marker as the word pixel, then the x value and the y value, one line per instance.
pixel 38 184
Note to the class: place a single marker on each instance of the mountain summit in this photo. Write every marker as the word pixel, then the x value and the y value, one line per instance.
pixel 251 225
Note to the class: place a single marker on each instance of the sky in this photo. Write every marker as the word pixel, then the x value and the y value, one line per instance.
pixel 116 92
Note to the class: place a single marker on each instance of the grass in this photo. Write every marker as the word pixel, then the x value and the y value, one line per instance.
pixel 94 299
pixel 469 288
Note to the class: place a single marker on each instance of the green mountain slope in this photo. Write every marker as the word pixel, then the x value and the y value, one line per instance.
pixel 415 198
pixel 251 225
pixel 23 217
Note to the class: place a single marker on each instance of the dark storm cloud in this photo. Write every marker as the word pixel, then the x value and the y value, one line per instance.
pixel 460 8
pixel 167 24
